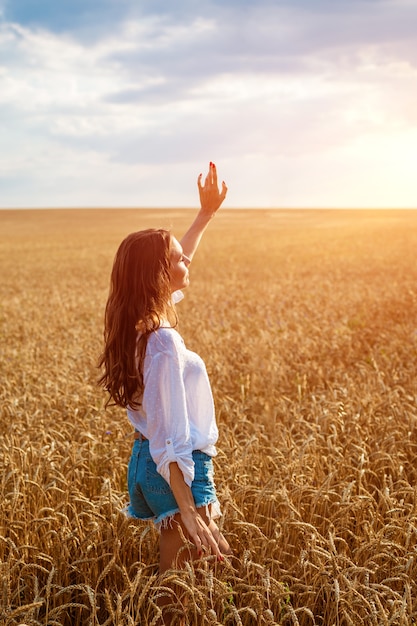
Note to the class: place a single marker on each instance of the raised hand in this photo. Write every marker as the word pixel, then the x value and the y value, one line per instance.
pixel 210 196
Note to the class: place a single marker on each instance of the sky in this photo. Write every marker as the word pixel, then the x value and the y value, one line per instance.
pixel 122 103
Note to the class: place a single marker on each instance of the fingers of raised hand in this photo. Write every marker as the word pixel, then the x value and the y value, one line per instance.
pixel 224 191
pixel 213 172
pixel 211 178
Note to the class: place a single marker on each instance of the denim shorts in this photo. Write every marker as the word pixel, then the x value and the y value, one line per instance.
pixel 151 497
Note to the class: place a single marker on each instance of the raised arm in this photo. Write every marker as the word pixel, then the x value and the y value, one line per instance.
pixel 210 200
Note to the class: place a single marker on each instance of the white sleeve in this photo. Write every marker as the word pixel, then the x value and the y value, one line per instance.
pixel 165 405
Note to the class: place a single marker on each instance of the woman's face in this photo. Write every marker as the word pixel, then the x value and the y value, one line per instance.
pixel 179 266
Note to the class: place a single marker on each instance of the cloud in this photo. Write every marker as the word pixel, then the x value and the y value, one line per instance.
pixel 86 20
pixel 109 98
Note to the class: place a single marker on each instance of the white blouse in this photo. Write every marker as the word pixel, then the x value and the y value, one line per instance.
pixel 177 410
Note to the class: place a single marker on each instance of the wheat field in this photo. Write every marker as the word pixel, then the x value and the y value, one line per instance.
pixel 307 322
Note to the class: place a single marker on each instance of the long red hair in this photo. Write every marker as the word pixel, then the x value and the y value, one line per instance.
pixel 139 299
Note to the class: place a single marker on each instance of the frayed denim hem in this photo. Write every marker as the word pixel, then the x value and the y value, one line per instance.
pixel 165 519
pixel 129 511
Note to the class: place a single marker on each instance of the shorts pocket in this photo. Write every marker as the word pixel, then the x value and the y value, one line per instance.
pixel 155 483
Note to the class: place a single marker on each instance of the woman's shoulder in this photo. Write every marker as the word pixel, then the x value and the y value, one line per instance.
pixel 165 339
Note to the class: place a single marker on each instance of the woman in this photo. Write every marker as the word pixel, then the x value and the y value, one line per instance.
pixel 164 387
